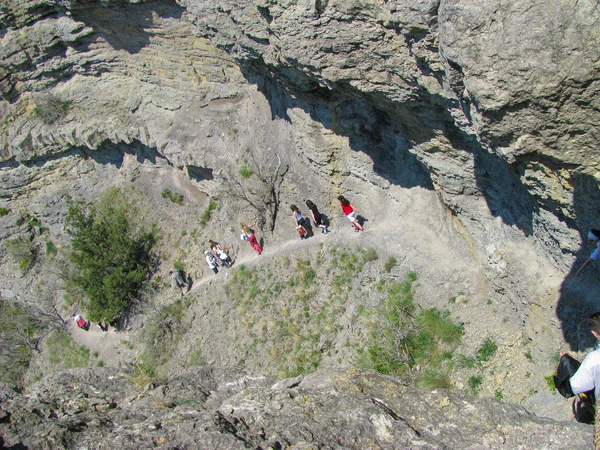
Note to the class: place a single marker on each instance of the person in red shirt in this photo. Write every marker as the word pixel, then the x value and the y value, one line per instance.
pixel 350 212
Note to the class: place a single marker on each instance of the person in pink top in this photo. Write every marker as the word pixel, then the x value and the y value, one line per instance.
pixel 350 212
pixel 248 235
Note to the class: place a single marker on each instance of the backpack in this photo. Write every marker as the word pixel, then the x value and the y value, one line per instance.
pixel 81 323
pixel 583 407
pixel 584 404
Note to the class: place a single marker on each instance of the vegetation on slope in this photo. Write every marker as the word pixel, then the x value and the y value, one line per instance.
pixel 112 252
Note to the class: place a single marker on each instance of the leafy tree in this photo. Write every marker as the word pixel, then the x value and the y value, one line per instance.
pixel 111 251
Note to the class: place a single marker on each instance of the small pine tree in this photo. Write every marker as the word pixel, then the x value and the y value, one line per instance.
pixel 111 252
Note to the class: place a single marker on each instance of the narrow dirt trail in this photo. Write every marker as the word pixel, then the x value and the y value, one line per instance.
pixel 113 347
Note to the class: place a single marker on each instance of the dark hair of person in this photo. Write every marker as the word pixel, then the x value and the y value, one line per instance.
pixel 311 205
pixel 596 232
pixel 294 208
pixel 594 322
pixel 343 200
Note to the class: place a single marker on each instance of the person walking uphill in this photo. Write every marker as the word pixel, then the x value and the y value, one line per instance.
pixel 211 261
pixel 81 322
pixel 220 252
pixel 317 217
pixel 248 235
pixel 350 212
pixel 177 280
pixel 299 220
pixel 593 235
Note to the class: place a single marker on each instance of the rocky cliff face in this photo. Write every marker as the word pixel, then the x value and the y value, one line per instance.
pixel 501 113
pixel 226 410
pixel 466 132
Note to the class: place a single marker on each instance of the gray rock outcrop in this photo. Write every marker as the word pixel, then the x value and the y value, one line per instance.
pixel 218 409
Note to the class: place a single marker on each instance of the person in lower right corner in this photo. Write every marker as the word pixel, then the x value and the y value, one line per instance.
pixel 350 212
pixel 317 217
pixel 585 381
pixel 587 376
pixel 211 262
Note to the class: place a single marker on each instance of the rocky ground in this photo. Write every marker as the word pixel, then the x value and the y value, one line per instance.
pixel 224 409
pixel 436 139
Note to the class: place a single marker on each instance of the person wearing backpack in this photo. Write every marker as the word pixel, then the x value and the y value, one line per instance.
pixel 81 322
pixel 299 221
pixel 177 280
pixel 220 252
pixel 249 235
pixel 585 382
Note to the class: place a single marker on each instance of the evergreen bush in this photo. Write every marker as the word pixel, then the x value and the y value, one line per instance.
pixel 111 251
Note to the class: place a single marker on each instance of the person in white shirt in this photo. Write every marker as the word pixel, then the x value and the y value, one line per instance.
pixel 210 261
pixel 587 376
pixel 593 235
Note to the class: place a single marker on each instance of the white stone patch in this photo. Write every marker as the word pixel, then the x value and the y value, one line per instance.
pixel 383 425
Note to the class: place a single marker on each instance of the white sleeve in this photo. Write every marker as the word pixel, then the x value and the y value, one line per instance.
pixel 583 380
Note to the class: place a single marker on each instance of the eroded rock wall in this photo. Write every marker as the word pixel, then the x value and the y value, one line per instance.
pixel 211 408
pixel 388 102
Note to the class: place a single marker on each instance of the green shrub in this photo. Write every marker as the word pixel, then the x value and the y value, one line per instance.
pixel 550 382
pixel 22 251
pixel 65 353
pixel 390 264
pixel 466 361
pixel 499 395
pixel 434 380
pixel 400 337
pixel 49 107
pixel 173 196
pixel 387 348
pixel 475 383
pixel 486 350
pixel 159 338
pixel 111 252
pixel 206 215
pixel 245 172
pixel 51 249
pixel 142 374
pixel 4 211
pixel 370 254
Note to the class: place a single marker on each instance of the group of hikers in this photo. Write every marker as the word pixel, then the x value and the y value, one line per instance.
pixel 320 220
pixel 572 377
pixel 217 255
